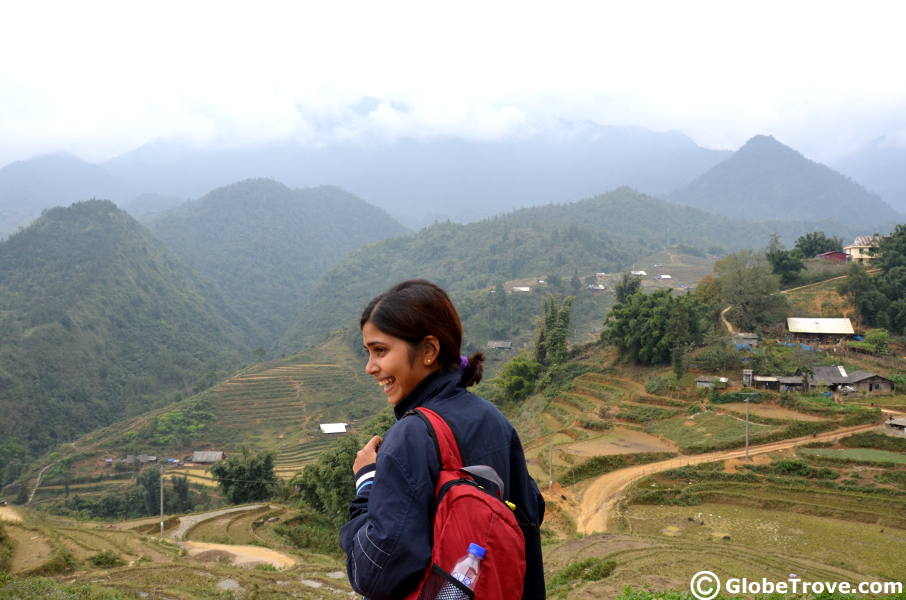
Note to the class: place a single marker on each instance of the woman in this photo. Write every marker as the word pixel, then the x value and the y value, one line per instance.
pixel 413 335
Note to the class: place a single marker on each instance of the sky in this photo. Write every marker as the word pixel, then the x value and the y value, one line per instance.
pixel 98 78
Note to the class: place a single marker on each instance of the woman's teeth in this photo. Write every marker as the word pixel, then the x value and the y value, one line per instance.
pixel 386 383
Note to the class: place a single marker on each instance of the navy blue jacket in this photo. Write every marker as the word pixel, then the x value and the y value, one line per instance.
pixel 388 537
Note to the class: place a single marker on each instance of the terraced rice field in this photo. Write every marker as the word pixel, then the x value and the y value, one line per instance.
pixel 708 429
pixel 651 559
pixel 598 414
pixel 858 455
pixel 280 408
pixel 769 411
pixel 806 538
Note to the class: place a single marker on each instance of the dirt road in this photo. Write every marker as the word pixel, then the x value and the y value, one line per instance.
pixel 240 555
pixel 602 495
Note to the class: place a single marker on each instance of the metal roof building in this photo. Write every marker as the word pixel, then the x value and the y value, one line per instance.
pixel 333 427
pixel 820 326
pixel 207 456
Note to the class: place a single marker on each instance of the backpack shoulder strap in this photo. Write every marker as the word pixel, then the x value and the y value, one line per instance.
pixel 444 440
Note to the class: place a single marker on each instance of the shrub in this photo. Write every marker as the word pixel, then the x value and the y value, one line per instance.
pixel 106 560
pixel 718 358
pixel 61 561
pixel 660 385
pixel 589 569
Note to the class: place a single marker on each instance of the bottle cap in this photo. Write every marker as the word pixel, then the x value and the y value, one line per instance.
pixel 477 550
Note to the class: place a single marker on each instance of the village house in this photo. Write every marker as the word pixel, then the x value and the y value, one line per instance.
pixel 863 248
pixel 206 457
pixel 819 330
pixel 500 345
pixel 711 381
pixel 137 459
pixel 834 256
pixel 780 383
pixel 333 427
pixel 837 379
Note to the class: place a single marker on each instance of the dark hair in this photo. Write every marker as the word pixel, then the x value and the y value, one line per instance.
pixel 414 309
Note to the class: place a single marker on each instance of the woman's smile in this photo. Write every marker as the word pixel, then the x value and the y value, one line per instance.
pixel 396 366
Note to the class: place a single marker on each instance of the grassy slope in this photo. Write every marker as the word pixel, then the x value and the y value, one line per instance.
pixel 274 406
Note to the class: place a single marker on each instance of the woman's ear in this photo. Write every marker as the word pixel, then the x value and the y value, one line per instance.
pixel 430 350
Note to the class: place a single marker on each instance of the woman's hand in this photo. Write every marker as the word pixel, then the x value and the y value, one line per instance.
pixel 368 454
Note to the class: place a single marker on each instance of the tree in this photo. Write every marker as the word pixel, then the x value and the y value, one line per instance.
pixel 517 379
pixel 550 339
pixel 180 500
pixel 784 263
pixel 247 476
pixel 627 286
pixel 748 285
pixel 816 242
pixel 149 482
pixel 654 328
pixel 881 300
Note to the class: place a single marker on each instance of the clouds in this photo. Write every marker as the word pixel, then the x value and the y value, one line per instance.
pixel 102 77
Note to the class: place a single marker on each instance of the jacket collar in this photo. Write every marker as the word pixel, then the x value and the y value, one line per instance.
pixel 438 383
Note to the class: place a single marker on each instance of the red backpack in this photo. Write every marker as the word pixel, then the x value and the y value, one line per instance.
pixel 468 510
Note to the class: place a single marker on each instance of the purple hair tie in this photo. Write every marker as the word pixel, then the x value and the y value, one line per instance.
pixel 463 362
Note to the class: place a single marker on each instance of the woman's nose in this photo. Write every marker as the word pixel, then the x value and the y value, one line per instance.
pixel 370 366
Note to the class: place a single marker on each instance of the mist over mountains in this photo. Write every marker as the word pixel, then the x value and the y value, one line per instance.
pixel 265 245
pixel 418 181
pixel 879 166
pixel 766 180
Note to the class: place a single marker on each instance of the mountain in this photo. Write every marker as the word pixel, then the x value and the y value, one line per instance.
pixel 422 180
pixel 99 321
pixel 766 180
pixel 27 187
pixel 601 234
pixel 880 167
pixel 264 245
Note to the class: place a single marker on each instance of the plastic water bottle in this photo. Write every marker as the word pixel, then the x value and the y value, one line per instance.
pixel 466 572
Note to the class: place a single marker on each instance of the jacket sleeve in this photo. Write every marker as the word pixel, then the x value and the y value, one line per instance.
pixel 388 537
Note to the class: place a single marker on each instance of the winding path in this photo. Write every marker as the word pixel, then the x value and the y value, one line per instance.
pixel 600 498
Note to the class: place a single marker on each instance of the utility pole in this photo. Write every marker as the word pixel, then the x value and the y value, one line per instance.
pixel 747 433
pixel 550 465
pixel 161 503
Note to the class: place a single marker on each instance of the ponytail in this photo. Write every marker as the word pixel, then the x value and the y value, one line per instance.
pixel 472 370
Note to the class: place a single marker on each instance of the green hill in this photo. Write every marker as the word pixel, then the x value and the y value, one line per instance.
pixel 274 406
pixel 264 245
pixel 766 180
pixel 98 321
pixel 602 234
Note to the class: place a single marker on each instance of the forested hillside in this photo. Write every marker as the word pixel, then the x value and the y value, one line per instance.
pixel 264 245
pixel 601 234
pixel 766 180
pixel 99 321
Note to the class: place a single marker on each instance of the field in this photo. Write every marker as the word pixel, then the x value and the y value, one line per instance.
pixel 253 560
pixel 868 455
pixel 821 299
pixel 769 411
pixel 706 430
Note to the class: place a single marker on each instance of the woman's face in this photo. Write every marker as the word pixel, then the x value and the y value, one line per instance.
pixel 396 366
